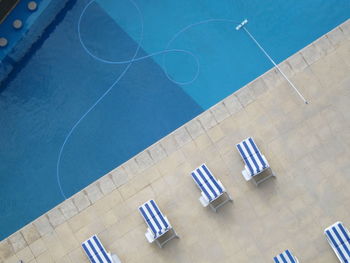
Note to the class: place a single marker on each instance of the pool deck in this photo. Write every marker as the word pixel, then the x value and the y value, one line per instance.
pixel 307 146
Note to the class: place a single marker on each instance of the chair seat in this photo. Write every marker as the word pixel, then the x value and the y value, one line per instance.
pixel 209 185
pixel 95 251
pixel 285 257
pixel 254 161
pixel 344 251
pixel 339 238
pixel 154 218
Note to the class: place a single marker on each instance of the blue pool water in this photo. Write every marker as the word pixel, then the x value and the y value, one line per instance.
pixel 57 83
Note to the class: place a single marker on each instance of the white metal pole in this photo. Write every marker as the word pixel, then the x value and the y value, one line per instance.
pixel 241 25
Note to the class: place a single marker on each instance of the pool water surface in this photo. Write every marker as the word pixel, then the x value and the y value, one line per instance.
pixel 59 81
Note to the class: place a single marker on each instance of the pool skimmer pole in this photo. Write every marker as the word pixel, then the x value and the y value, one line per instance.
pixel 242 25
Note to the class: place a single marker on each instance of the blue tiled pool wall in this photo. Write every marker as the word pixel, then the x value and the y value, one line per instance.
pixel 20 41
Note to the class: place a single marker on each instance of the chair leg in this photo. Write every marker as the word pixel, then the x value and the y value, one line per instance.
pixel 174 235
pixel 228 199
pixel 263 180
pixel 213 208
pixel 255 182
pixel 271 174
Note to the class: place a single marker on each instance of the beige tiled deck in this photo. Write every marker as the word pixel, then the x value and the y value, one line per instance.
pixel 308 147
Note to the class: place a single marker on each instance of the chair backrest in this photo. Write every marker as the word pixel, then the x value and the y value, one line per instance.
pixel 95 251
pixel 339 237
pixel 247 148
pixel 154 218
pixel 207 182
pixel 285 257
pixel 252 156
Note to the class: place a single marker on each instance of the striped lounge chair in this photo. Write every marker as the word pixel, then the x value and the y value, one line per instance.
pixel 213 193
pixel 339 239
pixel 255 162
pixel 97 253
pixel 285 257
pixel 159 228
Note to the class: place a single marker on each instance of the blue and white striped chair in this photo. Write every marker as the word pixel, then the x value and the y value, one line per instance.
pixel 211 188
pixel 285 257
pixel 97 253
pixel 255 161
pixel 338 237
pixel 158 224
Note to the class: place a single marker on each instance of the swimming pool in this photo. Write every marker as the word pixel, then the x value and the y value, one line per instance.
pixel 53 88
